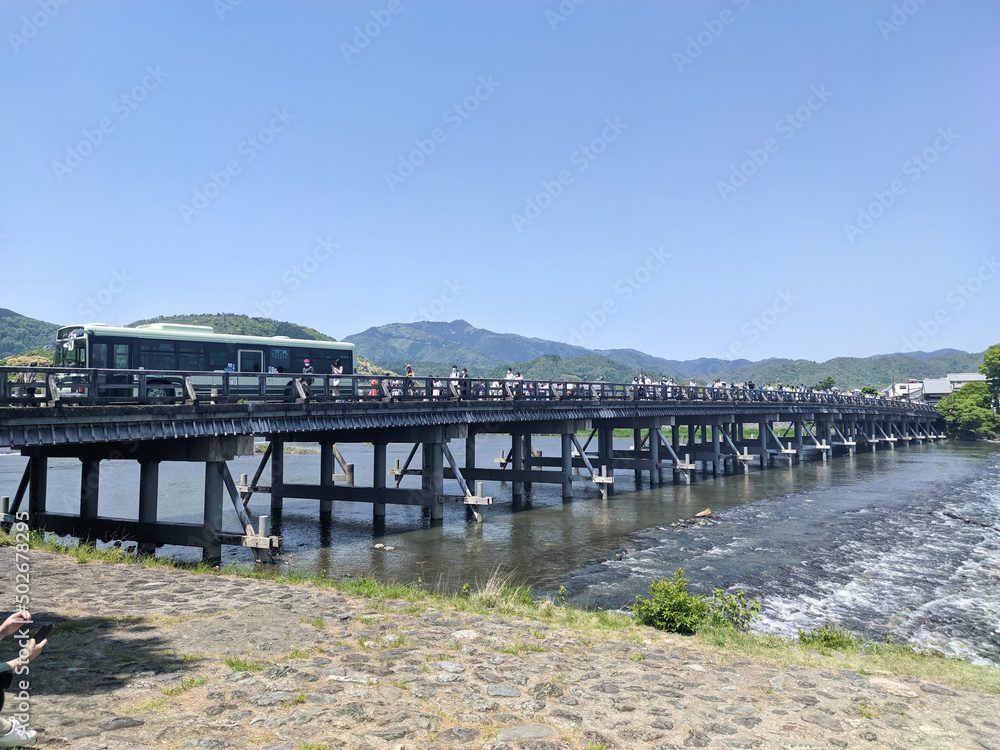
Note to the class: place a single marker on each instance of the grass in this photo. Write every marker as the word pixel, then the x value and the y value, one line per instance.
pixel 152 705
pixel 243 665
pixel 500 596
pixel 185 685
pixel 316 622
pixel 297 654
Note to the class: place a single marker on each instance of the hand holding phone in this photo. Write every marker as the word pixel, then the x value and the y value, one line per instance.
pixel 43 632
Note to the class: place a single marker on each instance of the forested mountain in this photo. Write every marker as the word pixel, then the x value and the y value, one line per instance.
pixel 20 334
pixel 433 347
pixel 241 325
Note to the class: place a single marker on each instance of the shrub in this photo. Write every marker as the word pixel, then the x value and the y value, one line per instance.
pixel 830 636
pixel 732 610
pixel 671 607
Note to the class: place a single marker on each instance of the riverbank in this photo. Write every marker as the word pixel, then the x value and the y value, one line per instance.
pixel 161 657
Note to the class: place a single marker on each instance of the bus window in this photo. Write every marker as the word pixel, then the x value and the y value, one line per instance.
pixel 98 355
pixel 158 355
pixel 250 360
pixel 279 359
pixel 120 361
pixel 190 355
pixel 219 355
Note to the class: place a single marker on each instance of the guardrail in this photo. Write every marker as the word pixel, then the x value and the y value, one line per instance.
pixel 37 386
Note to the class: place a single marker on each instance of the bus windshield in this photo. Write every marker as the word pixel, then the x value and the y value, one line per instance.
pixel 71 353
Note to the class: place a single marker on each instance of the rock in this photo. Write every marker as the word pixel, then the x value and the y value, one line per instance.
pixel 930 687
pixel 503 691
pixel 823 720
pixel 707 513
pixel 523 732
pixel 458 734
pixel 117 722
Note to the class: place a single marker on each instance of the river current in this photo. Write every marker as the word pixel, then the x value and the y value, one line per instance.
pixel 902 543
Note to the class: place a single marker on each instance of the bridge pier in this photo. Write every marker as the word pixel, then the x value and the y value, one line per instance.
pixel 432 478
pixel 277 474
pixel 149 488
pixel 212 545
pixel 379 475
pixel 90 483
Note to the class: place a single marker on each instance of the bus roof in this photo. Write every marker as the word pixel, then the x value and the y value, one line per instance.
pixel 184 332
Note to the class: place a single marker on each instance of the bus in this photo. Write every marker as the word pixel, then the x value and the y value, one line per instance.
pixel 165 347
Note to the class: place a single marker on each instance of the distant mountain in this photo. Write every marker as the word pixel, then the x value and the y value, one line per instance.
pixel 241 325
pixel 921 355
pixel 432 347
pixel 20 334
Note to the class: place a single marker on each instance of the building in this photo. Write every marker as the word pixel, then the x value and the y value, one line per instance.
pixel 937 388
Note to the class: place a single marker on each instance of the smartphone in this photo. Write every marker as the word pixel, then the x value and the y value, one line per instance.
pixel 43 632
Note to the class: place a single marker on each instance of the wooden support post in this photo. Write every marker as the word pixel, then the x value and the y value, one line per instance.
pixel 90 487
pixel 432 478
pixel 277 474
pixel 211 545
pixel 654 454
pixel 763 425
pixel 517 459
pixel 716 450
pixel 567 465
pixel 39 468
pixel 149 482
pixel 326 467
pixel 378 479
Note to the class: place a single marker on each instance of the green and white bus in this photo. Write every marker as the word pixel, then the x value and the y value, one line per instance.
pixel 166 347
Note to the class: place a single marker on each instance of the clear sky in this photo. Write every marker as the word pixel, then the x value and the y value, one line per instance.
pixel 720 178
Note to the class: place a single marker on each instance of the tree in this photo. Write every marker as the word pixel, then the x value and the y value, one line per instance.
pixel 968 412
pixel 869 390
pixel 825 384
pixel 991 369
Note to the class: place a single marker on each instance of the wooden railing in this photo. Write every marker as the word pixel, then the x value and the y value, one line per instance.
pixel 53 385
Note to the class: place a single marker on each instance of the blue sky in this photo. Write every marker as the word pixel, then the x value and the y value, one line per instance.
pixel 729 178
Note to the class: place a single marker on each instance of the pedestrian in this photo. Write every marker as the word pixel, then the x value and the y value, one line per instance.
pixel 337 369
pixel 408 380
pixel 463 380
pixel 13 733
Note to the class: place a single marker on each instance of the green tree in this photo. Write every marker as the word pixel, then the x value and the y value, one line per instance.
pixel 825 384
pixel 991 369
pixel 869 390
pixel 968 412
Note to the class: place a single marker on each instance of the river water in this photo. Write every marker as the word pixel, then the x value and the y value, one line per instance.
pixel 903 543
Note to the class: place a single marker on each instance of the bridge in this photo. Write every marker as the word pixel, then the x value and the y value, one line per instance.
pixel 210 418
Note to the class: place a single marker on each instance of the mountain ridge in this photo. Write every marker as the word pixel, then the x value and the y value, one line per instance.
pixel 433 346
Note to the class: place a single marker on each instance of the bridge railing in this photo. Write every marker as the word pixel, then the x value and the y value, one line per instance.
pixel 33 386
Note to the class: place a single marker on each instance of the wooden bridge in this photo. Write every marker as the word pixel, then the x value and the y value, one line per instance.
pixel 210 418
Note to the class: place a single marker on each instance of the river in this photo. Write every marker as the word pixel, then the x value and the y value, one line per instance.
pixel 903 543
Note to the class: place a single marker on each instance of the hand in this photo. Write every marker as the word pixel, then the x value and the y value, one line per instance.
pixel 34 649
pixel 14 623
